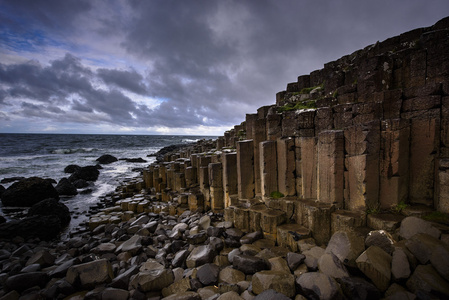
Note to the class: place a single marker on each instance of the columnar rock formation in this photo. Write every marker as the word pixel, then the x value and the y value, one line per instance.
pixel 367 133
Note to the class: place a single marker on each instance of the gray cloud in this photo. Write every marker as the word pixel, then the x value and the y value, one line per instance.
pixel 210 62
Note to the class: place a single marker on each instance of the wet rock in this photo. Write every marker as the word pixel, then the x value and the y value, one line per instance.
pixel 88 173
pixel 71 168
pixel 279 281
pixel 80 183
pixel 22 282
pixel 358 288
pixel 66 188
pixel 2 189
pixel 329 264
pixel 413 225
pixel 426 278
pixel 152 280
pixel 134 160
pixel 61 270
pixel 249 264
pixel 28 192
pixel 216 244
pixel 106 159
pixel 375 263
pixel 51 207
pixel 200 256
pixel 204 222
pixel 316 285
pixel 208 274
pixel 180 258
pixel 42 227
pixel 380 238
pixel 90 274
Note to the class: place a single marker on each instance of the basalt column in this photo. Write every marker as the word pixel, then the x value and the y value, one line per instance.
pixel 245 169
pixel 308 167
pixel 286 166
pixel 259 135
pixel 331 167
pixel 362 144
pixel 229 177
pixel 216 186
pixel 394 162
pixel 268 168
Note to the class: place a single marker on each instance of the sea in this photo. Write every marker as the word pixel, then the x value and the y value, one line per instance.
pixel 46 156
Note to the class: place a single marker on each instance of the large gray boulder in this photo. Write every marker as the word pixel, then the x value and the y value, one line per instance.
pixel 66 188
pixel 51 207
pixel 315 285
pixel 413 225
pixel 152 280
pixel 375 263
pixel 29 191
pixel 281 282
pixel 90 274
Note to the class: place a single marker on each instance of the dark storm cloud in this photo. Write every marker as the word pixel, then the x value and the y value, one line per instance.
pixel 210 62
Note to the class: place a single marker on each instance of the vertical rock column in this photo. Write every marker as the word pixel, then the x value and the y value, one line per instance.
pixel 268 168
pixel 229 177
pixel 298 168
pixel 216 186
pixel 424 146
pixel 443 181
pixel 308 167
pixel 250 123
pixel 156 179
pixel 394 162
pixel 362 144
pixel 274 126
pixel 245 169
pixel 148 177
pixel 286 166
pixel 331 167
pixel 259 135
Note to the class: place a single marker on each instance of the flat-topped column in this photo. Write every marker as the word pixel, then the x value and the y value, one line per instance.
pixel 245 169
pixel 259 135
pixel 268 168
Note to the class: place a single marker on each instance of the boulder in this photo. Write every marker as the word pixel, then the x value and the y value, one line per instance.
pixel 80 183
pixel 114 294
pixel 90 274
pixel 51 207
pixel 88 173
pixel 271 294
pixel 183 296
pixel 347 246
pixel 2 219
pixel 22 282
pixel 400 267
pixel 179 259
pixel 251 237
pixel 316 285
pixel 208 274
pixel 42 227
pixel 249 264
pixel 106 159
pixel 279 281
pixel 230 275
pixel 329 264
pixel 200 255
pixel 312 257
pixel 28 192
pixel 179 286
pixel 440 260
pixel 71 169
pixel 152 280
pixel 413 225
pixel 279 264
pixel 66 188
pixel 380 238
pixel 132 245
pixel 231 295
pixel 294 260
pixel 375 263
pixel 358 288
pixel 122 280
pixel 43 258
pixel 422 245
pixel 2 189
pixel 426 278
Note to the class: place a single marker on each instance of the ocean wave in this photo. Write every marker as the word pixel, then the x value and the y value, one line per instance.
pixel 190 140
pixel 71 151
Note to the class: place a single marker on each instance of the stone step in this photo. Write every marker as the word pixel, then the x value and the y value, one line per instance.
pixel 384 221
pixel 288 235
pixel 345 220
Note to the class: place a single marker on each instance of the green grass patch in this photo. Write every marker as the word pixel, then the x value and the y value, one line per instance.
pixel 398 208
pixel 276 195
pixel 437 216
pixel 310 104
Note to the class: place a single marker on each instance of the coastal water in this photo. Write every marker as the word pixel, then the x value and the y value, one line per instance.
pixel 46 156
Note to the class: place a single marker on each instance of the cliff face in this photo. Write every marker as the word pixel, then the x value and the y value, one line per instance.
pixel 368 131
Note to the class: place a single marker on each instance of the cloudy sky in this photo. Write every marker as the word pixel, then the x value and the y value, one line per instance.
pixel 175 66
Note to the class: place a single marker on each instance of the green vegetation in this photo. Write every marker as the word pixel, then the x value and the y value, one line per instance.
pixel 373 210
pixel 398 208
pixel 241 134
pixel 309 89
pixel 276 195
pixel 438 217
pixel 310 104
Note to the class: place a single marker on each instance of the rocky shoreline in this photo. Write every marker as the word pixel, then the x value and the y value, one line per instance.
pixel 136 248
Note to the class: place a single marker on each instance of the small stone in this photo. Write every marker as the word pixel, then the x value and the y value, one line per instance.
pixel 43 258
pixel 251 237
pixel 312 257
pixel 153 280
pixel 231 276
pixel 279 264
pixel 204 222
pixel 90 274
pixel 271 294
pixel 180 258
pixel 329 264
pixel 347 246
pixel 400 267
pixel 182 285
pixel 380 238
pixel 208 274
pixel 231 295
pixel 249 264
pixel 133 245
pixel 114 294
pixel 294 260
pixel 232 254
pixel 200 256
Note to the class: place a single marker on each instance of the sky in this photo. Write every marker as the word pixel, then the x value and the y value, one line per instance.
pixel 178 67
